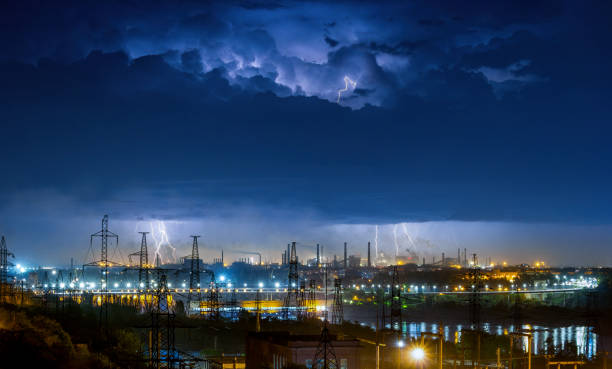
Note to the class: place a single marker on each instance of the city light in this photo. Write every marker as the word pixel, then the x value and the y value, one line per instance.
pixel 417 353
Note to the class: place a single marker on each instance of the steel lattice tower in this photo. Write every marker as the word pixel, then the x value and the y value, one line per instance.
pixel 303 307
pixel 194 274
pixel 396 301
pixel 476 278
pixel 213 297
pixel 337 312
pixel 517 310
pixel 325 356
pixel 234 304
pixel 104 234
pixel 292 300
pixel 592 314
pixel 4 264
pixel 162 352
pixel 312 300
pixel 143 271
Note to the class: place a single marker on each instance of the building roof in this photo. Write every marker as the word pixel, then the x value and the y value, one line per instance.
pixel 285 338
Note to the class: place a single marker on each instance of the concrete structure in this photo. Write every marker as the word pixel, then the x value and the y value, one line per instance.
pixel 275 350
pixel 354 261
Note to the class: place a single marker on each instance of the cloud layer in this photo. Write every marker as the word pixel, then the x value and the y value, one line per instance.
pixel 228 112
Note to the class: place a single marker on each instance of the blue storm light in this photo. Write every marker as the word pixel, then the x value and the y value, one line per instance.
pixel 222 278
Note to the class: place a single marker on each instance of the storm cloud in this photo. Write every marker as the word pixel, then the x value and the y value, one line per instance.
pixel 488 114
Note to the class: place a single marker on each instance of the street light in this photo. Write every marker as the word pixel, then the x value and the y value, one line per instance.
pixel 417 353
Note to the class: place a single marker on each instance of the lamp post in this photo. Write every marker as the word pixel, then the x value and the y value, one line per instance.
pixel 418 355
pixel 529 344
pixel 440 337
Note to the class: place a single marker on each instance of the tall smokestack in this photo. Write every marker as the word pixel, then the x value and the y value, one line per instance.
pixel 283 258
pixel 369 258
pixel 465 257
pixel 458 256
pixel 443 259
pixel 345 257
pixel 318 255
pixel 222 263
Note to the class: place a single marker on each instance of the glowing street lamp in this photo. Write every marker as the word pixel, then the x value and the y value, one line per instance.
pixel 417 354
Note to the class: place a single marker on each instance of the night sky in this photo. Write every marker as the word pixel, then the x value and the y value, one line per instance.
pixel 478 124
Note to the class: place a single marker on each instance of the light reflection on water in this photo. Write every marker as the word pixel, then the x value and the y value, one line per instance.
pixel 582 336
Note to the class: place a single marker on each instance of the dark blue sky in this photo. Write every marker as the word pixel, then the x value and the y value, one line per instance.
pixel 477 124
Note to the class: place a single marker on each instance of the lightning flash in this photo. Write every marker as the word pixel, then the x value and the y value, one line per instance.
pixel 347 82
pixel 161 239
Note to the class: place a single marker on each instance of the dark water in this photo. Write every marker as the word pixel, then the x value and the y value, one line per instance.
pixel 582 336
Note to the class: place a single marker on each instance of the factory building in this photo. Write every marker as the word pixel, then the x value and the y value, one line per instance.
pixel 276 350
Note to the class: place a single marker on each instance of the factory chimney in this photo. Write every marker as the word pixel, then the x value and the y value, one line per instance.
pixel 318 255
pixel 458 256
pixel 465 263
pixel 369 258
pixel 345 257
pixel 443 259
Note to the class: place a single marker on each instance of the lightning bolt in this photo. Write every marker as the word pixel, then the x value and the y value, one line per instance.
pixel 407 234
pixel 347 81
pixel 395 240
pixel 160 238
pixel 376 242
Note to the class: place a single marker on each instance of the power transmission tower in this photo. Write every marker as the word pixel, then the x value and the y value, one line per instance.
pixel 194 275
pixel 162 352
pixel 476 279
pixel 517 310
pixel 325 356
pixel 396 301
pixel 234 305
pixel 213 298
pixel 293 296
pixel 143 265
pixel 337 312
pixel 104 234
pixel 303 307
pixel 592 323
pixel 4 265
pixel 312 300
